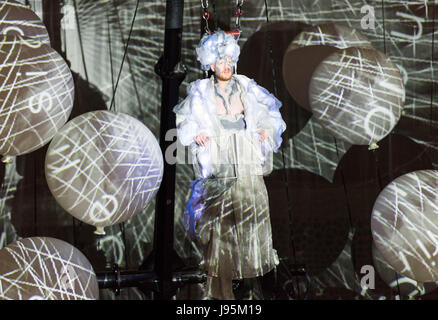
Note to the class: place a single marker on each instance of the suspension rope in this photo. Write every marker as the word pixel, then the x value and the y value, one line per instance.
pixel 238 13
pixel 384 27
pixel 215 15
pixel 345 189
pixel 134 82
pixel 205 15
pixel 432 68
pixel 124 54
pixel 80 39
pixel 285 177
pixel 379 178
pixel 110 53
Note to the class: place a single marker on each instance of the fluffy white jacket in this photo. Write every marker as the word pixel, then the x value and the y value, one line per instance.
pixel 197 114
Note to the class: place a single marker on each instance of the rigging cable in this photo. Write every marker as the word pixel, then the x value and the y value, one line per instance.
pixel 110 53
pixel 124 54
pixel 80 40
pixel 379 178
pixel 286 179
pixel 134 82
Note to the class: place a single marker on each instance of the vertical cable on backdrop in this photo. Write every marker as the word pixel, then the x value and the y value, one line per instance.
pixel 134 82
pixel 110 52
pixel 432 70
pixel 124 55
pixel 113 106
pixel 274 79
pixel 285 177
pixel 375 155
pixel 383 26
pixel 121 225
pixel 80 40
pixel 352 226
pixel 215 15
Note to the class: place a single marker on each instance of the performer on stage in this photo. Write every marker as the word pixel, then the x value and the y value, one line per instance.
pixel 232 126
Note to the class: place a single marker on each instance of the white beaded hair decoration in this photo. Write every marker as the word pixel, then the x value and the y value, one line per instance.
pixel 216 46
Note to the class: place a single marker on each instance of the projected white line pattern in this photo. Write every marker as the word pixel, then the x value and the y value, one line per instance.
pixel 36 94
pixel 313 140
pixel 45 269
pixel 404 225
pixel 357 95
pixel 407 287
pixel 336 35
pixel 104 167
pixel 313 149
pixel 18 19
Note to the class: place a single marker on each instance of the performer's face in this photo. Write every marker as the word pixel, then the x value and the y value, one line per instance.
pixel 223 69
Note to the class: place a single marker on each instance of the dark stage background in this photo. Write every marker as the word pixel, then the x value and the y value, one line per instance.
pixel 322 190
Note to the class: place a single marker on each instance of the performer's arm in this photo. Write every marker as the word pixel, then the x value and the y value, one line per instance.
pixel 191 119
pixel 269 117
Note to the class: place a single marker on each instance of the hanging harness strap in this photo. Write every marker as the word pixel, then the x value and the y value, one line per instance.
pixel 238 13
pixel 205 15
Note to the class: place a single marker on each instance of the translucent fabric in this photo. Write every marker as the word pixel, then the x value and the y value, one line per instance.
pixel 228 212
pixel 235 232
pixel 232 221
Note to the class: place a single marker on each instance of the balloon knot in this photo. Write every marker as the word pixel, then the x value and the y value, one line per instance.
pixel 7 159
pixel 373 146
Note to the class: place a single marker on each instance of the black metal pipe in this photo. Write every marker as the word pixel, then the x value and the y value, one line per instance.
pixel 146 280
pixel 172 76
pixel 124 279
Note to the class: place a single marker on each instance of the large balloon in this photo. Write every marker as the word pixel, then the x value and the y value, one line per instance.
pixel 41 268
pixel 399 284
pixel 104 167
pixel 18 19
pixel 357 94
pixel 404 225
pixel 309 48
pixel 36 95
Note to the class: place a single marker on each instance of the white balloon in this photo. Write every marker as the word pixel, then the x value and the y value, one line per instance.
pixel 404 225
pixel 104 167
pixel 357 95
pixel 36 94
pixel 41 268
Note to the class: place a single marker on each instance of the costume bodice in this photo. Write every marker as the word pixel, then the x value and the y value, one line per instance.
pixel 232 122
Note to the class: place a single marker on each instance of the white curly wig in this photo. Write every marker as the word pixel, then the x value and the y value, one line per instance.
pixel 216 46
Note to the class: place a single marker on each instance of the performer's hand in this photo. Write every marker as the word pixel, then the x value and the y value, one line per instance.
pixel 263 135
pixel 202 139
